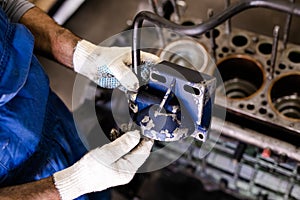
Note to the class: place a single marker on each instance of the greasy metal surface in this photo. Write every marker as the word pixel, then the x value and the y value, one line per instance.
pixel 97 20
pixel 175 103
pixel 196 30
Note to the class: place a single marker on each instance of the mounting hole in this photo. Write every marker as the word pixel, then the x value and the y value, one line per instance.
pixel 285 96
pixel 282 66
pixel 269 62
pixel 225 49
pixel 239 40
pixel 216 33
pixel 200 135
pixel 262 111
pixel 264 103
pixel 237 73
pixel 265 48
pixel 250 107
pixel 241 106
pixel 159 78
pixel 294 56
pixel 270 115
pixel 191 90
pixel 221 55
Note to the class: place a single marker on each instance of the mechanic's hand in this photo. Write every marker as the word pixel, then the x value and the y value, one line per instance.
pixel 108 66
pixel 111 165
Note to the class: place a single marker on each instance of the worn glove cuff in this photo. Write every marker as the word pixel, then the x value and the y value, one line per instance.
pixel 72 182
pixel 82 54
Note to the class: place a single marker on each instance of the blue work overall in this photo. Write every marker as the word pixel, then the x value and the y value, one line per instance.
pixel 37 132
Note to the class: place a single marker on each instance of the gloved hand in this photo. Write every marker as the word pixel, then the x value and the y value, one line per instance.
pixel 108 66
pixel 111 165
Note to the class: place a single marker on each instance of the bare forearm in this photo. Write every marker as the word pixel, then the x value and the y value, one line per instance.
pixel 39 190
pixel 51 39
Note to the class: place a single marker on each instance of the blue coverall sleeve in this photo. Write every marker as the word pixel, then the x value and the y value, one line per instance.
pixel 15 57
pixel 15 9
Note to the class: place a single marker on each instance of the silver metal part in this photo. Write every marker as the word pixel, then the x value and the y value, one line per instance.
pixel 287 27
pixel 254 100
pixel 164 100
pixel 210 14
pixel 190 96
pixel 274 50
pixel 186 52
pixel 228 22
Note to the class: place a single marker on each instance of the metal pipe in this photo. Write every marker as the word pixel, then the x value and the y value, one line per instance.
pixel 153 4
pixel 274 50
pixel 254 138
pixel 210 14
pixel 279 5
pixel 228 22
pixel 176 10
pixel 287 27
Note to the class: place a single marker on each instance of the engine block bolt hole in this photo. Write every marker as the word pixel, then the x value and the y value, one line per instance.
pixel 239 40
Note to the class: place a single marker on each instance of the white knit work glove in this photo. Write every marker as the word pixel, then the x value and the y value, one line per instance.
pixel 111 165
pixel 108 66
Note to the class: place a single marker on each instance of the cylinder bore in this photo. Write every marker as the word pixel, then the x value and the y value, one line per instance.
pixel 285 96
pixel 242 76
pixel 187 53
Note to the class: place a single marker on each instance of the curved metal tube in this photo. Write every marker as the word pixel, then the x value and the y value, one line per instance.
pixel 279 5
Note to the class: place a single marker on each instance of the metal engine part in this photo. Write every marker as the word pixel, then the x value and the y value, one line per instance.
pixel 174 104
pixel 257 154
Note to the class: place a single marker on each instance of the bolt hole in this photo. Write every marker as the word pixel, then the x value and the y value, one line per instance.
pixel 159 78
pixel 239 40
pixel 201 137
pixel 265 48
pixel 250 107
pixel 216 33
pixel 294 56
pixel 282 66
pixel 241 106
pixel 191 89
pixel 262 111
pixel 264 103
pixel 225 49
